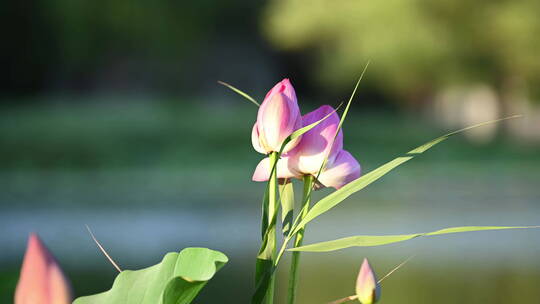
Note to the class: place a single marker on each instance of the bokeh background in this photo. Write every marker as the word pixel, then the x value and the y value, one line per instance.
pixel 110 115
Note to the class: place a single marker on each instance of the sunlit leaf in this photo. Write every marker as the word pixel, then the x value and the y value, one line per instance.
pixel 176 280
pixel 338 196
pixel 286 196
pixel 378 240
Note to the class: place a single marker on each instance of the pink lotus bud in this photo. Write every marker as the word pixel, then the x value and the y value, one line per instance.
pixel 278 117
pixel 41 280
pixel 318 143
pixel 283 170
pixel 309 154
pixel 367 288
pixel 342 170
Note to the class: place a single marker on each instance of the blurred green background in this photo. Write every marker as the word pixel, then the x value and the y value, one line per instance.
pixel 110 115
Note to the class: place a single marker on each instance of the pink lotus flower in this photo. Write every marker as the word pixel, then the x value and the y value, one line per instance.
pixel 41 280
pixel 308 156
pixel 278 117
pixel 367 287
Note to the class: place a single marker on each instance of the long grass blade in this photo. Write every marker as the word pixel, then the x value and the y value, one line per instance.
pixel 379 240
pixel 338 196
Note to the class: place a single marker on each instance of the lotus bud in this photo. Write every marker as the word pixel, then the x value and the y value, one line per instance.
pixel 308 156
pixel 278 117
pixel 283 170
pixel 343 169
pixel 367 286
pixel 41 280
pixel 319 142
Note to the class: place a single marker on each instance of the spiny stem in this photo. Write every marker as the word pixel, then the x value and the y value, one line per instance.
pixel 293 274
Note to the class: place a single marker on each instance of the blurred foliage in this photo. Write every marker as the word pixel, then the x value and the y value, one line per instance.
pixel 183 134
pixel 417 46
pixel 94 160
pixel 165 150
pixel 165 46
pixel 163 28
pixel 89 45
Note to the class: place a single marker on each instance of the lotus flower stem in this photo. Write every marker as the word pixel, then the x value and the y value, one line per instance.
pixel 293 274
pixel 272 209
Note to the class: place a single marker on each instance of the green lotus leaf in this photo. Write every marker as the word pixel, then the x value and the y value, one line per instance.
pixel 176 280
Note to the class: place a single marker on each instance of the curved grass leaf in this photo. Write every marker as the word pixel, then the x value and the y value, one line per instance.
pixel 342 119
pixel 338 196
pixel 379 240
pixel 176 280
pixel 239 92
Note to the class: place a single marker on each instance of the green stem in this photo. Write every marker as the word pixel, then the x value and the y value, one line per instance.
pixel 293 274
pixel 272 209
